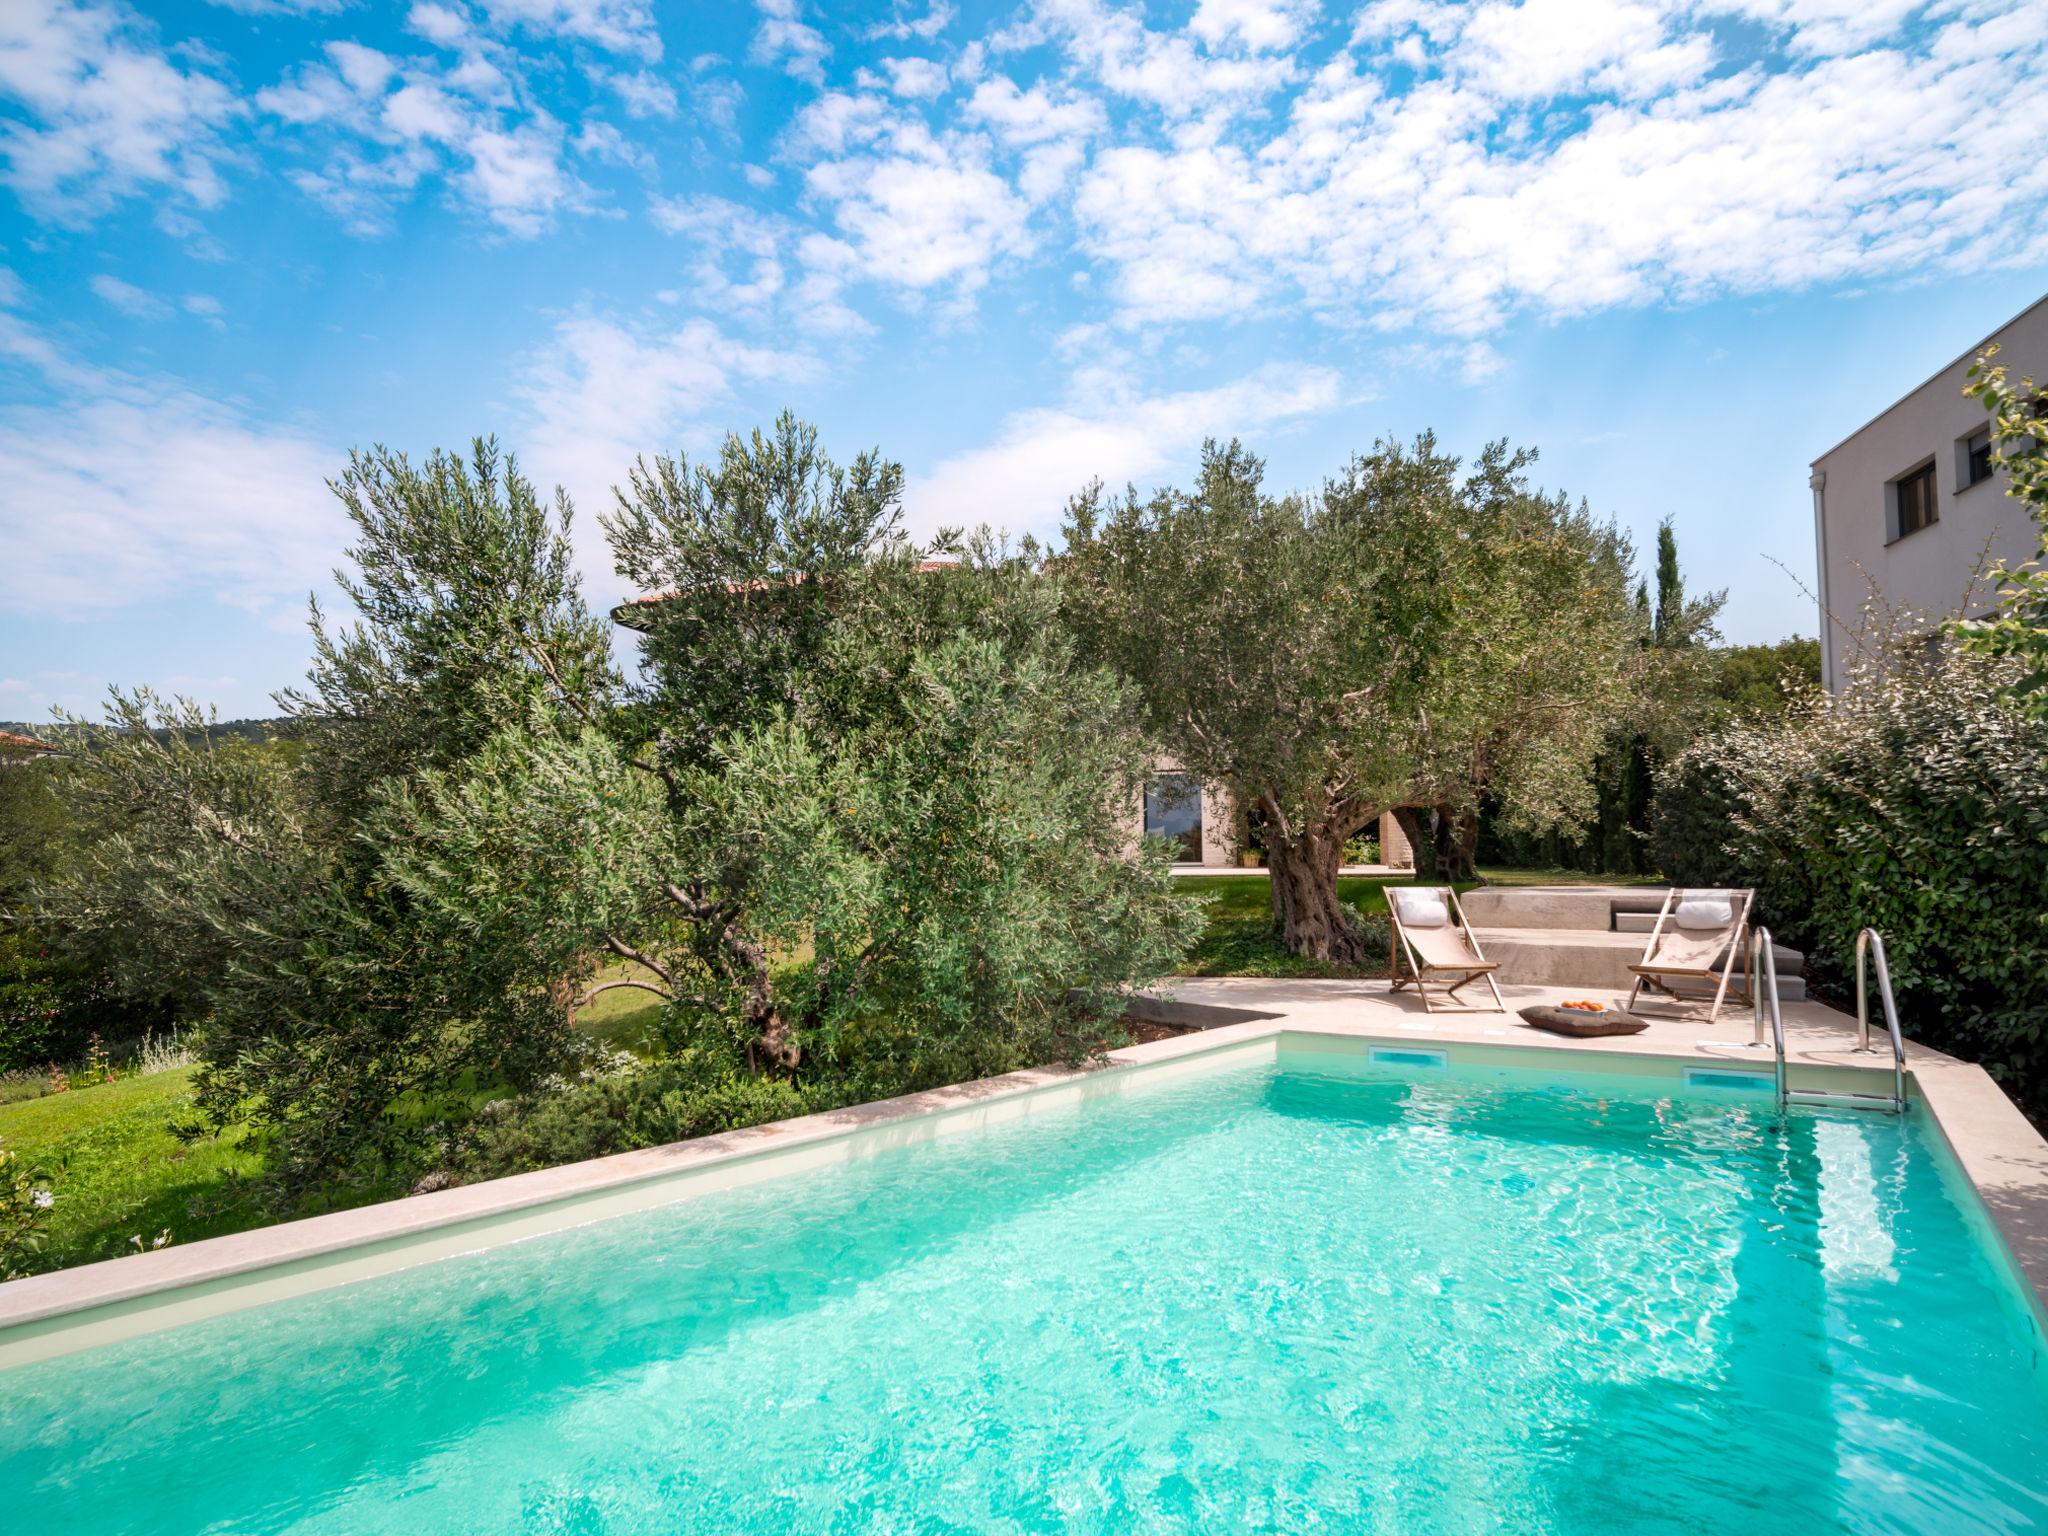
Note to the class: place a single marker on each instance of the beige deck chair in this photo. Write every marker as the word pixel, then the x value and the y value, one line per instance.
pixel 1698 941
pixel 1429 925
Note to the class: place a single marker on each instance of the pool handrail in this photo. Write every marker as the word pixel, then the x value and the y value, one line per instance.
pixel 1869 941
pixel 1763 965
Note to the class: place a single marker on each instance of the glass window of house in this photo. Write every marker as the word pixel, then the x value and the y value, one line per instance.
pixel 1916 501
pixel 1173 811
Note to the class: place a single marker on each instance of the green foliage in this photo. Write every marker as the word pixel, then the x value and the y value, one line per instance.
pixel 858 828
pixel 1763 679
pixel 463 581
pixel 669 1100
pixel 51 999
pixel 756 558
pixel 2019 628
pixel 954 864
pixel 895 769
pixel 267 894
pixel 1240 939
pixel 1420 633
pixel 1916 802
pixel 49 1005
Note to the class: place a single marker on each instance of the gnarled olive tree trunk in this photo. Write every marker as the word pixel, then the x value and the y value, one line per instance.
pixel 1445 843
pixel 1302 863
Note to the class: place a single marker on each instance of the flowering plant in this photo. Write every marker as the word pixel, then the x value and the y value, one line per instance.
pixel 25 1202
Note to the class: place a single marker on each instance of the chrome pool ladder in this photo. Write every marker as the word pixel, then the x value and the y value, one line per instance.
pixel 1870 942
pixel 1763 990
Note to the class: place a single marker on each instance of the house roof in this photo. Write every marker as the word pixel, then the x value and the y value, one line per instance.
pixel 14 742
pixel 639 612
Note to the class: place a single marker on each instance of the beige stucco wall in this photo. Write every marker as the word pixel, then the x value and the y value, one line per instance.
pixel 1394 847
pixel 1929 571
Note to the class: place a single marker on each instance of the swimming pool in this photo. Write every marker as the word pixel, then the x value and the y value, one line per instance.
pixel 1317 1294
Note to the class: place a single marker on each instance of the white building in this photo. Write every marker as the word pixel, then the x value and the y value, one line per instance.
pixel 1910 502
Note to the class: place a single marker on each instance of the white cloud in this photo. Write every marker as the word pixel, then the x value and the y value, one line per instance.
pixel 1261 25
pixel 1828 26
pixel 751 264
pixel 913 209
pixel 907 27
pixel 1538 49
pixel 136 303
pixel 128 489
pixel 1165 70
pixel 623 26
pixel 1442 204
pixel 422 110
pixel 1041 457
pixel 918 79
pixel 381 126
pixel 106 113
pixel 785 41
pixel 438 23
pixel 517 175
pixel 645 93
pixel 366 70
pixel 205 307
pixel 1023 117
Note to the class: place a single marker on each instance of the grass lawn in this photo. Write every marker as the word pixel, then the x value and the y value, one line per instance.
pixel 118 1172
pixel 622 1018
pixel 1240 940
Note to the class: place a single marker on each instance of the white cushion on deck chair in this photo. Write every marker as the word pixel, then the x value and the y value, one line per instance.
pixel 1702 910
pixel 1422 908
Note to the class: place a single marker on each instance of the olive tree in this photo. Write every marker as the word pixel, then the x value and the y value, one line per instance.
pixel 1415 634
pixel 895 765
pixel 269 892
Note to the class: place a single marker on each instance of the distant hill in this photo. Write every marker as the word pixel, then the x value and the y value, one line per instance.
pixel 248 730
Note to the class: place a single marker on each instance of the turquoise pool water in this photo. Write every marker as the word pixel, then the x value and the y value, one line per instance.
pixel 1289 1300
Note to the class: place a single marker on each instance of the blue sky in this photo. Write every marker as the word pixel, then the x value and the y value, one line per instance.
pixel 1680 246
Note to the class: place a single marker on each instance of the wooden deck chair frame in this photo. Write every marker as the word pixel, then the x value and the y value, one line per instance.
pixel 1651 977
pixel 1424 973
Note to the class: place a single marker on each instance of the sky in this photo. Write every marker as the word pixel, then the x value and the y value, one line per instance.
pixel 1680 247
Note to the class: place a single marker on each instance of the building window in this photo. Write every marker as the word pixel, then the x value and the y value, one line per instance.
pixel 1173 811
pixel 1912 502
pixel 1975 459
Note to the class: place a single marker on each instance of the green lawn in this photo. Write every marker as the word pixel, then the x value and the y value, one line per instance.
pixel 118 1172
pixel 1240 940
pixel 622 1018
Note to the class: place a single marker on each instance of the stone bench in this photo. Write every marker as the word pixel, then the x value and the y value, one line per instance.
pixel 1582 935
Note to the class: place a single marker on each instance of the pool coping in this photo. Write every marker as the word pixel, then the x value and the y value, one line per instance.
pixel 1999 1153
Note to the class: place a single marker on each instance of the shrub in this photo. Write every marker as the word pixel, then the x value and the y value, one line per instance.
pixel 51 1004
pixel 642 1106
pixel 1916 803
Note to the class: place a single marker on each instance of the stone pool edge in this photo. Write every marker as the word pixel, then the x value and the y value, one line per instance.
pixel 1998 1152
